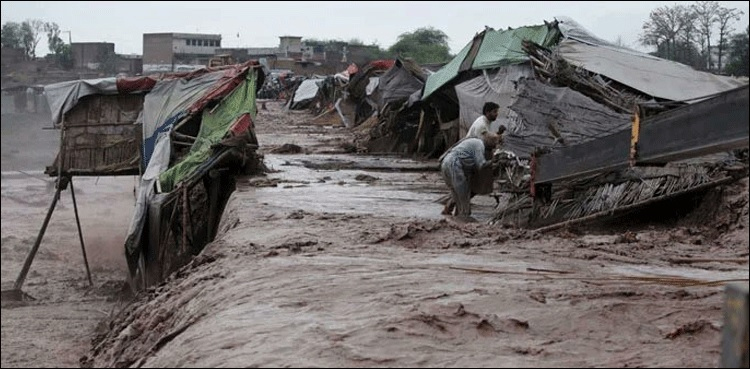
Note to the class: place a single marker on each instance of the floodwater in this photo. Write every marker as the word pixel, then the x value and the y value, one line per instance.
pixel 344 260
pixel 331 260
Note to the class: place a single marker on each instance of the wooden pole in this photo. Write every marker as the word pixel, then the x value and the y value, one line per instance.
pixel 32 253
pixel 80 233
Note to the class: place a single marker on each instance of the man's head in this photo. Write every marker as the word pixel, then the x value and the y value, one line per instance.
pixel 490 110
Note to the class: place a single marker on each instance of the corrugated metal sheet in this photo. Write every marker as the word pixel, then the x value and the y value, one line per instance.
pixel 656 77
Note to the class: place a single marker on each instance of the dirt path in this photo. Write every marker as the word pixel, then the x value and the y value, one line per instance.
pixel 316 266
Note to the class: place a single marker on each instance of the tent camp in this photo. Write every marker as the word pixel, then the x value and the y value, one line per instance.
pixel 580 71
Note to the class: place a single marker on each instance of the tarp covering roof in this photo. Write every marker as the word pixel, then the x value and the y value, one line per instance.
pixel 307 90
pixel 446 73
pixel 557 116
pixel 498 86
pixel 167 103
pixel 401 81
pixel 237 108
pixel 497 48
pixel 648 74
pixel 504 47
pixel 64 96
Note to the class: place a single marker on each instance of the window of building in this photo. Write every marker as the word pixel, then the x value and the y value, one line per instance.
pixel 187 42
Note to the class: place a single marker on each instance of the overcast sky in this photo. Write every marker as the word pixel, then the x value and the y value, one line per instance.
pixel 259 23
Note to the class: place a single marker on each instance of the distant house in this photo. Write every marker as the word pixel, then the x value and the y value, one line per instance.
pixel 89 54
pixel 164 52
pixel 130 64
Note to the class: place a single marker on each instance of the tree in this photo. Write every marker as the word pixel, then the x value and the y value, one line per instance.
pixel 664 26
pixel 64 56
pixel 706 13
pixel 424 45
pixel 30 36
pixel 686 50
pixel 725 16
pixel 739 54
pixel 61 51
pixel 10 36
pixel 53 37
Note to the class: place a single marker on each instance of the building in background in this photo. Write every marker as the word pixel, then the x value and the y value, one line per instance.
pixel 130 64
pixel 166 52
pixel 89 55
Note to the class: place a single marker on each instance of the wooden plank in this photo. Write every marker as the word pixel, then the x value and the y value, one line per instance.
pixel 714 125
pixel 734 337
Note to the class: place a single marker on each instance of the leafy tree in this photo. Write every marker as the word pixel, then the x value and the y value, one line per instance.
pixel 64 57
pixel 664 27
pixel 739 54
pixel 53 37
pixel 424 45
pixel 31 35
pixel 60 50
pixel 355 42
pixel 10 36
pixel 725 16
pixel 706 14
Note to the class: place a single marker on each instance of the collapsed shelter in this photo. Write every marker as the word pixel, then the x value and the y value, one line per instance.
pixel 186 134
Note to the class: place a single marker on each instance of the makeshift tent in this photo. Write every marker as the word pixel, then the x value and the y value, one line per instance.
pixel 314 93
pixel 236 110
pixel 551 117
pixel 360 97
pixel 216 105
pixel 498 86
pixel 490 67
pixel 399 82
pixel 491 49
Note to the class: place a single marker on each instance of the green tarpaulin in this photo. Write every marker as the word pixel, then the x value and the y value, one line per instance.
pixel 498 48
pixel 214 126
pixel 446 73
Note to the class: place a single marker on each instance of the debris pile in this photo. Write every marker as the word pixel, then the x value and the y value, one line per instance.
pixel 558 86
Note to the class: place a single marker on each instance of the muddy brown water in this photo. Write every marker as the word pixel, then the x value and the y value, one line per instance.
pixel 350 267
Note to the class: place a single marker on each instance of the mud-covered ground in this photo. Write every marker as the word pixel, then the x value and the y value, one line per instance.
pixel 322 263
pixel 338 259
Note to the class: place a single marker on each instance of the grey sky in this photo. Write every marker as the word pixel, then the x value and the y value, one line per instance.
pixel 260 23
